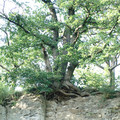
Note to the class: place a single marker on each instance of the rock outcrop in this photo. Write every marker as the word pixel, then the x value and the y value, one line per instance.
pixel 31 107
pixel 84 108
pixel 28 107
pixel 3 113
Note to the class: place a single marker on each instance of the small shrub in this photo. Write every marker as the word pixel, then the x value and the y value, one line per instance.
pixel 5 93
pixel 108 92
pixel 17 95
pixel 90 79
pixel 36 80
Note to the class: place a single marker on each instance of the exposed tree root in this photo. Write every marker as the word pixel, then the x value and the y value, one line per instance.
pixel 69 90
pixel 68 94
pixel 70 86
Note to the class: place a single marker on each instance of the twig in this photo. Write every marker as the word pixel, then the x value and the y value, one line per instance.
pixel 4 68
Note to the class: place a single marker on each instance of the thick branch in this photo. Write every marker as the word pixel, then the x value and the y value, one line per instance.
pixel 69 72
pixel 26 31
pixel 54 17
pixel 115 66
pixel 76 32
pixel 67 31
pixel 66 40
pixel 55 30
pixel 47 61
pixel 5 17
pixel 114 25
pixel 51 8
pixel 100 66
pixel 77 36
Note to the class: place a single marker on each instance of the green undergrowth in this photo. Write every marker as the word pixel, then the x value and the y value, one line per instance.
pixel 108 93
pixel 8 95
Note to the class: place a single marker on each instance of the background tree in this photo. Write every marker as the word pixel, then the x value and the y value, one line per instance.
pixel 108 59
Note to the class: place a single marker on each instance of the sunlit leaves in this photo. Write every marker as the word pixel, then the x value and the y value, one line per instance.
pixel 91 79
pixel 88 33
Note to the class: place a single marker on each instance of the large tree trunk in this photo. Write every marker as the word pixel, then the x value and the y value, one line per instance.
pixel 63 67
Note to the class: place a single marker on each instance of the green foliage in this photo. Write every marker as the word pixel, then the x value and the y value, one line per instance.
pixel 17 95
pixel 5 93
pixel 108 93
pixel 34 79
pixel 90 79
pixel 89 35
pixel 37 79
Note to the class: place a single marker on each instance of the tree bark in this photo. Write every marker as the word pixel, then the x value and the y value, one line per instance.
pixel 112 72
pixel 112 79
pixel 47 61
pixel 69 72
